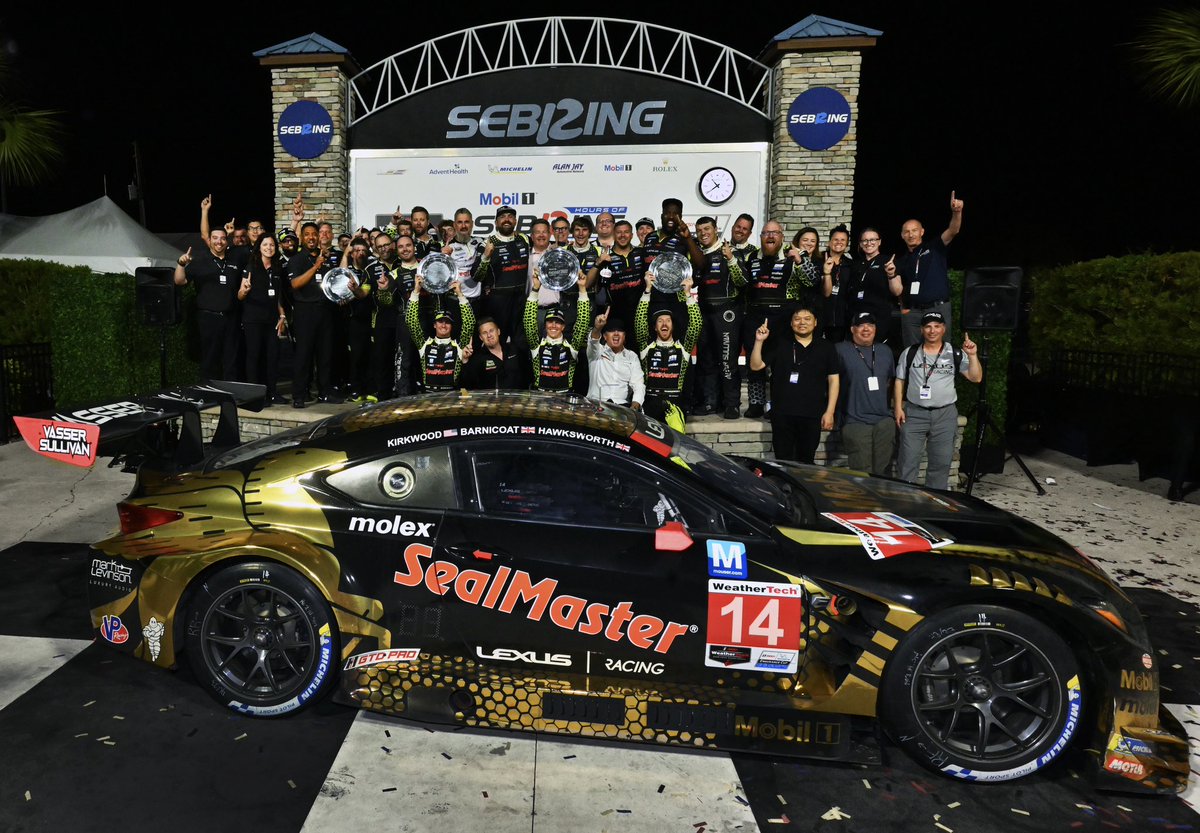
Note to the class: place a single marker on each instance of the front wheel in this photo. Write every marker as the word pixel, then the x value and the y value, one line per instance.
pixel 261 639
pixel 982 693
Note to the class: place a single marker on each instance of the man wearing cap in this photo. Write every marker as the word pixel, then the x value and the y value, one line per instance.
pixel 739 236
pixel 925 401
pixel 504 272
pixel 923 270
pixel 615 372
pixel 804 385
pixel 644 228
pixel 393 272
pixel 720 281
pixel 554 358
pixel 672 236
pixel 665 360
pixel 440 357
pixel 867 423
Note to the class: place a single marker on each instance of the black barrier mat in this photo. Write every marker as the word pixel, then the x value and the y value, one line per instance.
pixel 109 742
pixel 902 796
pixel 44 591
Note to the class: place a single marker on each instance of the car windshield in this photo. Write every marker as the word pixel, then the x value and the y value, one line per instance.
pixel 723 475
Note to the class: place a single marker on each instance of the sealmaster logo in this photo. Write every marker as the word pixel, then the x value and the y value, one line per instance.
pixel 506 589
pixel 112 629
pixel 391 526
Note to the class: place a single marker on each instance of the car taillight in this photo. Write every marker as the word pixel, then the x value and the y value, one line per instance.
pixel 135 518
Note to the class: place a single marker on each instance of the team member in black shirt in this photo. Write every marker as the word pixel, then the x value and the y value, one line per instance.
pixel 217 278
pixel 494 365
pixel 504 272
pixel 720 279
pixel 869 289
pixel 619 274
pixel 804 385
pixel 263 321
pixel 313 325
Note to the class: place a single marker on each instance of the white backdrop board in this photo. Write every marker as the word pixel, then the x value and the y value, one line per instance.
pixel 631 182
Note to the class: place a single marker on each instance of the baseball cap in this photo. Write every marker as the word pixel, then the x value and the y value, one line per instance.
pixel 443 315
pixel 614 325
pixel 508 209
pixel 556 314
pixel 932 318
pixel 645 221
pixel 863 318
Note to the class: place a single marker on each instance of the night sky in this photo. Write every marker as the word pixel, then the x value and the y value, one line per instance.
pixel 1033 113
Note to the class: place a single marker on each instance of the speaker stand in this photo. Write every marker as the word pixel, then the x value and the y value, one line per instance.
pixel 162 355
pixel 983 421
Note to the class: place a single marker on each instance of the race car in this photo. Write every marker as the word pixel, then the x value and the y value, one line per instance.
pixel 549 563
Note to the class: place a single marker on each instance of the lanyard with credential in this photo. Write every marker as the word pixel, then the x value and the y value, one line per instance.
pixel 870 366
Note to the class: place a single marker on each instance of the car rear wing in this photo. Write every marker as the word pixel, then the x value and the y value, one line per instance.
pixel 141 428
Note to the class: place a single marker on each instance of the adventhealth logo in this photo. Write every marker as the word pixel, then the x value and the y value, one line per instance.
pixel 727 559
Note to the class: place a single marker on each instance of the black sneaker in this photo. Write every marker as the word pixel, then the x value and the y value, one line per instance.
pixel 732 413
pixel 298 403
pixel 704 410
pixel 279 399
pixel 754 412
pixel 331 400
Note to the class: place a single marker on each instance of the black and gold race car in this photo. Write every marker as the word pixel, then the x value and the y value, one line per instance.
pixel 547 563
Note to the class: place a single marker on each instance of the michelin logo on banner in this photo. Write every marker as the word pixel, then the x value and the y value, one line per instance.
pixel 727 559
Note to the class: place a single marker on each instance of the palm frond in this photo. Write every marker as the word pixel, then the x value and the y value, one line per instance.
pixel 1167 52
pixel 28 144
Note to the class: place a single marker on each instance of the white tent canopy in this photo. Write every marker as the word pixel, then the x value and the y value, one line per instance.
pixel 98 235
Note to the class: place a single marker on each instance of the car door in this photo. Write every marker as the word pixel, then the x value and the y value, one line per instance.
pixel 385 515
pixel 596 564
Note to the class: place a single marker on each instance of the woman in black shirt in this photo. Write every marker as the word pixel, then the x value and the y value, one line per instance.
pixel 263 321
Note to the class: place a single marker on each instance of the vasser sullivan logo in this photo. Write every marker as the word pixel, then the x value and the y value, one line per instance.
pixel 112 571
pixel 509 198
pixel 68 443
pixel 557 121
pixel 506 589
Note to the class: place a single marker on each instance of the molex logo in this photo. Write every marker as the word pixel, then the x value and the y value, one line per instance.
pixel 819 118
pixel 305 129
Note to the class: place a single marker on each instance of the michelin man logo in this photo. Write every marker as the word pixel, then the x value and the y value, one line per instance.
pixel 153 631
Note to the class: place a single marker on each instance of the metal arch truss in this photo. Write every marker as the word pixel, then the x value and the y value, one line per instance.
pixel 560 41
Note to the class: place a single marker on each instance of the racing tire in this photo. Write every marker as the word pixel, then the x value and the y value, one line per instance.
pixel 982 693
pixel 261 639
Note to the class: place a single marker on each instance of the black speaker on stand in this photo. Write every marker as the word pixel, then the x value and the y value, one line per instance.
pixel 991 303
pixel 159 304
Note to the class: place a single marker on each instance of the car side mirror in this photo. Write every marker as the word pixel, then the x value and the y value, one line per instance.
pixel 672 537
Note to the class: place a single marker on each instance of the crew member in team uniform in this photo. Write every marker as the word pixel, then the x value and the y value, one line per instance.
pixel 587 253
pixel 313 325
pixel 504 273
pixel 773 286
pixel 360 308
pixel 263 321
pixel 464 250
pixel 739 236
pixel 424 240
pixel 869 289
pixel 672 236
pixel 217 278
pixel 388 341
pixel 837 270
pixel 666 360
pixel 439 355
pixel 719 280
pixel 554 357
pixel 620 274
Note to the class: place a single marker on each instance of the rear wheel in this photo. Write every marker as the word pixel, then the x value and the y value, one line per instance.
pixel 261 639
pixel 982 693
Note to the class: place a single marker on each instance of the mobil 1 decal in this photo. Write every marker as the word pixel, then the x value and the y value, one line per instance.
pixel 883 534
pixel 753 625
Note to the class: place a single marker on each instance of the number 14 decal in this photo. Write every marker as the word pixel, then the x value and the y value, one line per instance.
pixel 754 615
pixel 765 624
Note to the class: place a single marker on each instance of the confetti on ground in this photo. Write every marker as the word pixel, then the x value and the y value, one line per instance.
pixel 485 795
pixel 106 737
pixel 1177 666
pixel 385 749
pixel 662 787
pixel 780 820
pixel 741 800
pixel 110 743
pixel 82 735
pixel 446 755
pixel 1123 807
pixel 118 717
pixel 88 703
pixel 242 736
pixel 625 811
pixel 866 783
pixel 568 757
pixel 1022 812
pixel 938 824
pixel 291 783
pixel 28 796
pixel 388 789
pixel 954 806
pixel 781 799
pixel 700 824
pixel 386 732
pixel 194 731
pixel 607 812
pixel 834 814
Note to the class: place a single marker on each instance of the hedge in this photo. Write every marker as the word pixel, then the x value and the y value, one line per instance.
pixel 101 350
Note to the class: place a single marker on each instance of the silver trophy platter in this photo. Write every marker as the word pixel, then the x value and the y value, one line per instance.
pixel 670 270
pixel 558 270
pixel 437 272
pixel 336 284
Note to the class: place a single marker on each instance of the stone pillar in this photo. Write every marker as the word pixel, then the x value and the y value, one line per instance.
pixel 324 182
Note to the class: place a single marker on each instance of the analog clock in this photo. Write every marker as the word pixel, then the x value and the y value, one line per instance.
pixel 717 185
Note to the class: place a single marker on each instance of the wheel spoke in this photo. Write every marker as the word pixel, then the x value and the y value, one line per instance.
pixel 949 730
pixel 232 641
pixel 286 658
pixel 1038 710
pixel 1025 685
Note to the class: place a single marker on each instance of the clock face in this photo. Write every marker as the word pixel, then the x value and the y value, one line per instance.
pixel 717 185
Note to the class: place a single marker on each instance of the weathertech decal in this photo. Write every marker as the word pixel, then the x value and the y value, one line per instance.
pixel 63 441
pixel 753 625
pixel 505 589
pixel 883 534
pixel 382 657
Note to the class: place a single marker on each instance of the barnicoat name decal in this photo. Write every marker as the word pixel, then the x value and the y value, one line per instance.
pixel 883 534
pixel 507 588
